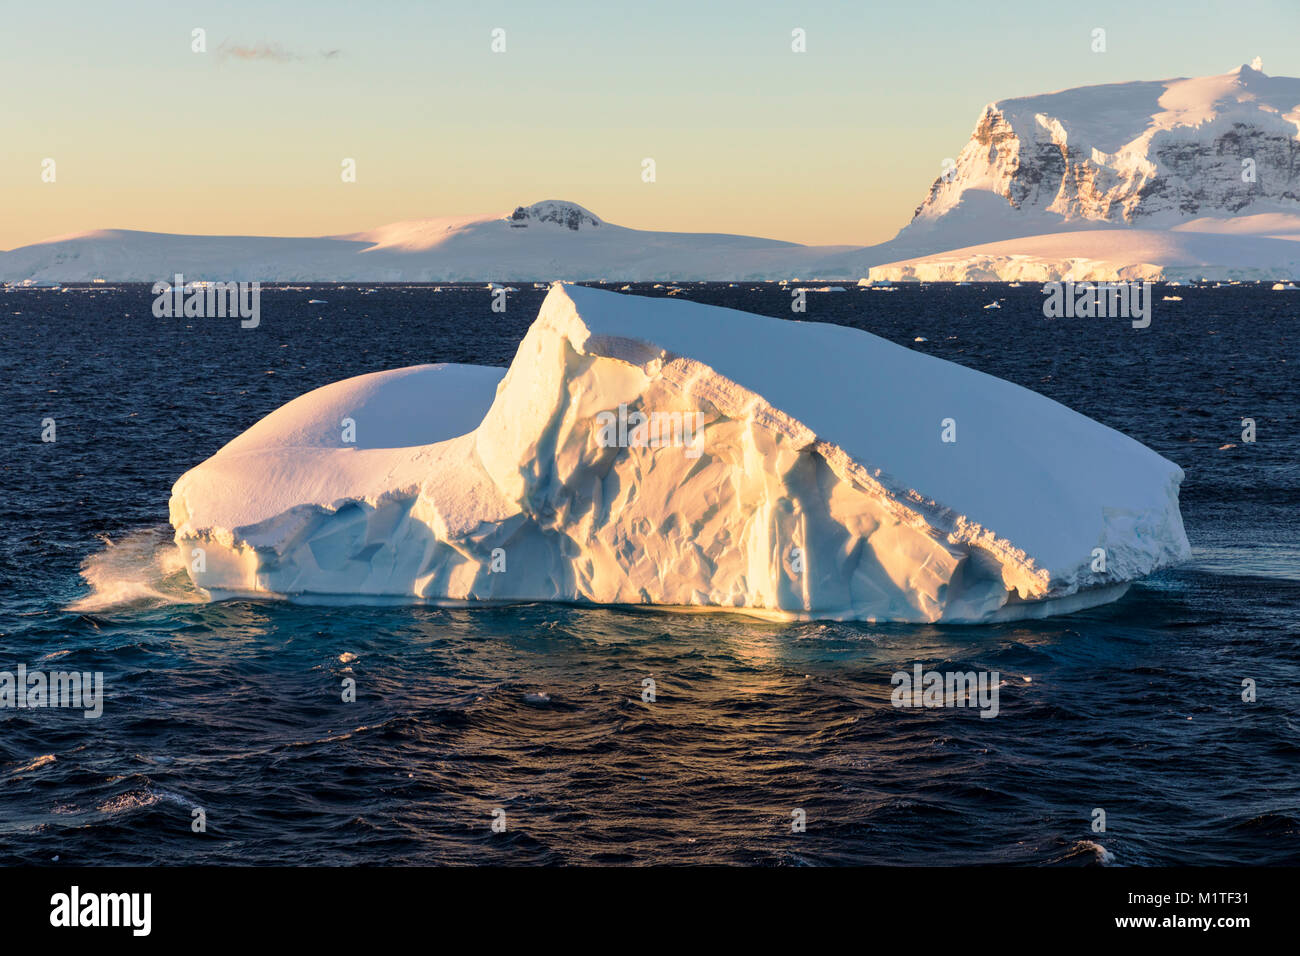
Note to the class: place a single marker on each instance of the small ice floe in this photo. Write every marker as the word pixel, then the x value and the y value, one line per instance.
pixel 995 304
pixel 347 657
pixel 920 338
pixel 1284 287
pixel 541 698
pixel 317 302
pixel 1172 298
pixel 1227 446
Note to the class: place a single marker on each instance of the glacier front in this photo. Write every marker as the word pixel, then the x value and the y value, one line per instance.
pixel 652 451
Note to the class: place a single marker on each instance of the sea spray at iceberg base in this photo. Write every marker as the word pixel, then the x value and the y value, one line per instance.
pixel 760 465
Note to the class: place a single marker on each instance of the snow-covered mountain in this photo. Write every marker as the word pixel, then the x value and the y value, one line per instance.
pixel 1148 154
pixel 538 242
pixel 1222 150
pixel 1186 177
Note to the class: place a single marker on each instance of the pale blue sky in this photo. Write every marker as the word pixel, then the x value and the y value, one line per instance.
pixel 838 144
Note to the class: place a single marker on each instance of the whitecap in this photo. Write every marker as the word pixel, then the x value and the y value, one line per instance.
pixel 142 568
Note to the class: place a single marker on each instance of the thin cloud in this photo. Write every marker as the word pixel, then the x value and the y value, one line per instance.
pixel 267 53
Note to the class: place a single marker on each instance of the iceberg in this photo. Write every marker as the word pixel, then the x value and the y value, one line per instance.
pixel 654 451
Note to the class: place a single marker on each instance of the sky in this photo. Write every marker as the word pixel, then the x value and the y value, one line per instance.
pixel 835 145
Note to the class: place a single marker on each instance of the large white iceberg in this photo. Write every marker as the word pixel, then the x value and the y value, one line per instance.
pixel 652 451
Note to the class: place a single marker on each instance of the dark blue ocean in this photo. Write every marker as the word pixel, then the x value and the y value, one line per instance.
pixel 1135 708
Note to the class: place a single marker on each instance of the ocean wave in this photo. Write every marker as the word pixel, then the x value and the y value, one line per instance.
pixel 141 799
pixel 142 569
pixel 35 764
pixel 1085 853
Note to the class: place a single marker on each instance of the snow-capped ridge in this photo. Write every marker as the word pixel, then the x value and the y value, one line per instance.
pixel 533 243
pixel 567 214
pixel 1141 153
pixel 1146 156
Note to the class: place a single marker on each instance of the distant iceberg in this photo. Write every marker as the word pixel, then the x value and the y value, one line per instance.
pixel 652 451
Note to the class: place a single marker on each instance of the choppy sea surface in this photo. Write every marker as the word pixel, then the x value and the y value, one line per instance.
pixel 534 714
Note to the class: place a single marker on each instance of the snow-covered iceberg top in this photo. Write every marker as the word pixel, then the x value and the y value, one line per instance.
pixel 651 451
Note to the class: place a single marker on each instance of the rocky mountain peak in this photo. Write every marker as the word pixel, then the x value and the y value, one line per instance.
pixel 1140 153
pixel 567 214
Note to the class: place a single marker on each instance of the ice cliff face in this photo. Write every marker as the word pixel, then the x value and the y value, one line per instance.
pixel 645 451
pixel 1146 154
